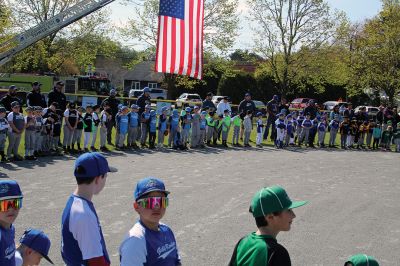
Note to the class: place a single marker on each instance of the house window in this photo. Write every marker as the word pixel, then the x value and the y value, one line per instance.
pixel 153 85
pixel 135 85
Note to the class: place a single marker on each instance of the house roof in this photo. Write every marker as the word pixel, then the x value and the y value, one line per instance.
pixel 144 71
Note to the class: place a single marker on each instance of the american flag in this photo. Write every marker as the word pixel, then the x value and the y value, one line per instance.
pixel 180 37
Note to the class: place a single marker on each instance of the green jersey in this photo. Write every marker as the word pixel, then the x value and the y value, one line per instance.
pixel 259 250
pixel 237 121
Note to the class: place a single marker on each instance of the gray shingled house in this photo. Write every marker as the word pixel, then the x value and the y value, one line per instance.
pixel 142 75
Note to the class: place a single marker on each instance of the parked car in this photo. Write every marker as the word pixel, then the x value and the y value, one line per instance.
pixel 371 110
pixel 260 107
pixel 300 103
pixel 188 99
pixel 217 99
pixel 330 104
pixel 155 93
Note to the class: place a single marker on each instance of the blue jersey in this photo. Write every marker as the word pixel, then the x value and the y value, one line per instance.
pixel 289 127
pixel 162 123
pixel 82 238
pixel 133 119
pixel 280 123
pixel 7 246
pixel 153 124
pixel 143 246
pixel 146 115
pixel 174 121
pixel 186 125
pixel 300 120
pixel 322 127
pixel 334 124
pixel 203 123
pixel 123 123
pixel 307 123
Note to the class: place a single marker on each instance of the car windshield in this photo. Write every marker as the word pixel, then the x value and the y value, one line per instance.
pixel 193 97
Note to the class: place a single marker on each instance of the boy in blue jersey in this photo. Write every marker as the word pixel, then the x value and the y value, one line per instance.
pixel 145 123
pixel 33 246
pixel 122 126
pixel 150 242
pixel 82 241
pixel 10 203
pixel 299 119
pixel 305 129
pixel 173 124
pixel 133 126
pixel 334 125
pixel 322 126
pixel 280 130
pixel 290 129
pixel 152 129
pixel 203 124
pixel 162 127
pixel 186 125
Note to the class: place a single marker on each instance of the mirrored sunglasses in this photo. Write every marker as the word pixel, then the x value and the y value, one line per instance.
pixel 7 204
pixel 153 202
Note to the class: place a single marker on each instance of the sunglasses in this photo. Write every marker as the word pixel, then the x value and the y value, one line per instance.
pixel 5 205
pixel 153 202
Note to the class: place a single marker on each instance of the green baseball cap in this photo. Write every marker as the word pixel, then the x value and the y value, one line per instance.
pixel 362 260
pixel 272 199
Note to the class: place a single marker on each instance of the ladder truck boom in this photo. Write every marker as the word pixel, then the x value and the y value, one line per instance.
pixel 47 27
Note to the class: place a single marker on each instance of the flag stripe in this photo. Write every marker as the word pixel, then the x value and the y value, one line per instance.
pixel 180 38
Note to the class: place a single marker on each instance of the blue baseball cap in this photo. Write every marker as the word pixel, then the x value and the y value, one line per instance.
pixel 153 113
pixel 175 112
pixel 289 116
pixel 259 114
pixel 147 185
pixel 9 189
pixel 148 106
pixel 92 164
pixel 113 92
pixel 124 108
pixel 134 106
pixel 204 113
pixel 188 109
pixel 38 241
pixel 164 108
pixel 146 89
pixel 247 94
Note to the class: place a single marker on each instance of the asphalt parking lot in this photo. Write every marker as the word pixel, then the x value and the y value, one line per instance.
pixel 353 200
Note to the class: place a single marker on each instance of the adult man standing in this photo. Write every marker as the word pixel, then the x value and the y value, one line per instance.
pixel 272 110
pixel 58 96
pixel 207 103
pixel 35 98
pixel 223 105
pixel 143 100
pixel 349 112
pixel 113 103
pixel 10 97
pixel 246 105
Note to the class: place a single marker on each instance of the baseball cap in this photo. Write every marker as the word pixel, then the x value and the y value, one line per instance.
pixel 272 199
pixel 134 106
pixel 259 113
pixel 2 109
pixel 164 108
pixel 9 189
pixel 29 109
pixel 14 104
pixel 153 113
pixel 146 89
pixel 113 91
pixel 60 83
pixel 362 260
pixel 55 104
pixel 12 87
pixel 196 107
pixel 188 109
pixel 36 83
pixel 247 94
pixel 38 108
pixel 123 108
pixel 38 241
pixel 147 185
pixel 92 164
pixel 204 113
pixel 148 106
pixel 209 94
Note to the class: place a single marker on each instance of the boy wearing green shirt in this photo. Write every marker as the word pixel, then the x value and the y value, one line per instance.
pixel 226 125
pixel 272 209
pixel 237 121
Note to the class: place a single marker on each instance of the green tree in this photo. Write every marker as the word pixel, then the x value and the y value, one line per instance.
pixel 376 62
pixel 283 27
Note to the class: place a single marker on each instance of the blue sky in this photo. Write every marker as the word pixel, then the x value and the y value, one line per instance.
pixel 356 10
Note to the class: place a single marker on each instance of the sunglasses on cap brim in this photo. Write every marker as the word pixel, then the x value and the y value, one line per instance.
pixel 153 202
pixel 7 204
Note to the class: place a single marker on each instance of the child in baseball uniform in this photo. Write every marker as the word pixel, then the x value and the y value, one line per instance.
pixel 82 241
pixel 361 260
pixel 87 127
pixel 305 129
pixel 195 138
pixel 105 119
pixel 30 133
pixel 203 125
pixel 186 118
pixel 152 129
pixel 122 126
pixel 280 130
pixel 70 121
pixel 150 242
pixel 300 118
pixel 290 129
pixel 162 127
pixel 260 126
pixel 33 246
pixel 4 127
pixel 173 124
pixel 322 127
pixel 226 125
pixel 133 126
pixel 39 121
pixel 145 123
pixel 344 129
pixel 10 204
pixel 17 125
pixel 237 121
pixel 96 123
pixel 272 210
pixel 248 127
pixel 78 131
